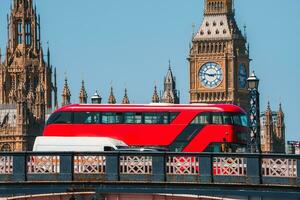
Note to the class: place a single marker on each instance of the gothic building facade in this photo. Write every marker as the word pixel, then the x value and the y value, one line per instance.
pixel 25 80
pixel 170 94
pixel 272 131
pixel 219 58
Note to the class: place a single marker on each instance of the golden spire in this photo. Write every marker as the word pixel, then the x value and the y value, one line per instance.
pixel 125 98
pixel 111 99
pixel 66 95
pixel 155 97
pixel 280 108
pixel 83 94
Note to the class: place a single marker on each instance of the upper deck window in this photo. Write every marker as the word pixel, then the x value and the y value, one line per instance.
pixel 156 118
pixel 202 119
pixel 86 118
pixel 132 118
pixel 60 118
pixel 112 117
pixel 221 118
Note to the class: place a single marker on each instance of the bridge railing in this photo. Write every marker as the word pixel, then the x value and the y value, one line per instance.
pixel 251 169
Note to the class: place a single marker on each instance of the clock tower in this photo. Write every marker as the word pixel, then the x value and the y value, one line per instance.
pixel 219 58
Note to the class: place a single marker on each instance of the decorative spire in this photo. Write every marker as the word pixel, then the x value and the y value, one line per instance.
pixel 125 98
pixel 155 97
pixel 48 56
pixel 83 94
pixel 245 32
pixel 112 99
pixel 169 98
pixel 55 90
pixel 280 107
pixel 170 87
pixel 269 107
pixel 280 111
pixel 66 96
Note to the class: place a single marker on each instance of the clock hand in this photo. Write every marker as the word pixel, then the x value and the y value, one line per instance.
pixel 211 75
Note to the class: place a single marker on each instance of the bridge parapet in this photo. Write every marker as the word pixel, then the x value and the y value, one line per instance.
pixel 251 169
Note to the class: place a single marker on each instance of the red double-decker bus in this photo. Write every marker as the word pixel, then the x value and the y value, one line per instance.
pixel 179 128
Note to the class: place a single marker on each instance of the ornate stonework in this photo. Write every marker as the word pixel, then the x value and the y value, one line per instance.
pixel 66 94
pixel 125 98
pixel 170 93
pixel 219 58
pixel 25 80
pixel 272 131
pixel 155 97
pixel 112 98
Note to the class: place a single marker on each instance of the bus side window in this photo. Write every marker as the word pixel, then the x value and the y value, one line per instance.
pixel 107 148
pixel 173 115
pixel 86 118
pixel 92 118
pixel 202 119
pixel 132 118
pixel 217 118
pixel 227 118
pixel 110 118
pixel 151 118
pixel 165 118
pixel 237 120
pixel 60 118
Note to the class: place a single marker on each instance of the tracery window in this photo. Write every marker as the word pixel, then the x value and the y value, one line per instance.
pixel 19 34
pixel 6 148
pixel 28 33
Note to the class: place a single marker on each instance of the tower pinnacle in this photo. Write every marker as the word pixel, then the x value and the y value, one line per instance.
pixel 125 98
pixel 215 7
pixel 83 94
pixel 155 97
pixel 112 99
pixel 66 95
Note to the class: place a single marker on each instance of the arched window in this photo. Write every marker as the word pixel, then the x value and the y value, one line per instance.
pixel 19 34
pixel 6 148
pixel 28 33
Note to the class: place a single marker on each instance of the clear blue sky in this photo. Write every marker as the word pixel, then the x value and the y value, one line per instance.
pixel 130 42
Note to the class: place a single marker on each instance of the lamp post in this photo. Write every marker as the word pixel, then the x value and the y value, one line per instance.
pixel 254 114
pixel 96 99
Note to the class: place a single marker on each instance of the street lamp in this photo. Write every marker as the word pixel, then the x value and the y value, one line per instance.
pixel 96 98
pixel 254 114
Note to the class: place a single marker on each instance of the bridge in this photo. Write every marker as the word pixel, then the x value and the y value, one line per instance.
pixel 247 175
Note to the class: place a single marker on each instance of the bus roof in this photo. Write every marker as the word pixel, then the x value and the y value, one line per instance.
pixel 151 107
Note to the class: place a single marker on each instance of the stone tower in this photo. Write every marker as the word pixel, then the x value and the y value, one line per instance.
pixel 125 98
pixel 155 97
pixel 170 94
pixel 25 79
pixel 219 58
pixel 83 94
pixel 280 131
pixel 112 98
pixel 66 94
pixel 272 131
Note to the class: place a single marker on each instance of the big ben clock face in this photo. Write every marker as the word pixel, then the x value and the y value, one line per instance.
pixel 242 76
pixel 211 75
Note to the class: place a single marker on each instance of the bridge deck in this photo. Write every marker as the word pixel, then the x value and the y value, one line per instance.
pixel 125 172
